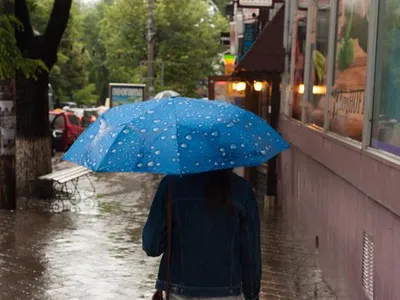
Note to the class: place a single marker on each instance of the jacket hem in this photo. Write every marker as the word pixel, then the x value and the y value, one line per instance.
pixel 200 291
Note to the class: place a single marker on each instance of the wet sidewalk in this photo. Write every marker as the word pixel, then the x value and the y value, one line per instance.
pixel 96 253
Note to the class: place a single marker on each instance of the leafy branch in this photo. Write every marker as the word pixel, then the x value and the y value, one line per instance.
pixel 11 58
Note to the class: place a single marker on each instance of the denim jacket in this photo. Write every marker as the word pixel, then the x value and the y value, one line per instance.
pixel 214 253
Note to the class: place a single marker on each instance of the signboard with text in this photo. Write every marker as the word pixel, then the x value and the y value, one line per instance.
pixel 255 3
pixel 124 93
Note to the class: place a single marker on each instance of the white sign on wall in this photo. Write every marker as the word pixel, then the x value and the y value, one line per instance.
pixel 248 14
pixel 256 3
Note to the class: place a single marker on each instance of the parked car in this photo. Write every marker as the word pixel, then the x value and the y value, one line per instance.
pixel 65 128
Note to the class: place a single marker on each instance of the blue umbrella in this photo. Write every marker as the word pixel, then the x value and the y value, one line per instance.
pixel 175 136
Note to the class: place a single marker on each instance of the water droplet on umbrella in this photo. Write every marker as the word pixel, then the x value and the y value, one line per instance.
pixel 232 162
pixel 216 164
pixel 205 134
pixel 165 129
pixel 143 130
pixel 158 152
pixel 91 136
pixel 163 137
pixel 197 164
pixel 150 164
pixel 222 149
pixel 158 164
pixel 233 146
pixel 242 145
pixel 139 155
pixel 229 125
pixel 215 133
pixel 268 134
pixel 120 143
pixel 173 137
pixel 126 131
pixel 250 124
pixel 183 146
pixel 114 135
pixel 189 137
pixel 156 129
pixel 150 112
pixel 139 165
pixel 113 151
pixel 142 118
pixel 263 152
pixel 219 120
pixel 156 121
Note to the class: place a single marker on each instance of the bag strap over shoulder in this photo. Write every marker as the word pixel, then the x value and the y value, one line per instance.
pixel 169 232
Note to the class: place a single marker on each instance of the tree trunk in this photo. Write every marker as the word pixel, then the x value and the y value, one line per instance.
pixel 33 135
pixel 33 132
pixel 7 144
pixel 7 132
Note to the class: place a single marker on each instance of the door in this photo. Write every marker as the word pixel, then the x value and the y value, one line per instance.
pixel 60 133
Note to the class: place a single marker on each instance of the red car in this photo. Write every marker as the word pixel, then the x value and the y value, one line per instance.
pixel 65 128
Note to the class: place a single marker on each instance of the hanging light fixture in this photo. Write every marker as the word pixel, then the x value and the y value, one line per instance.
pixel 258 86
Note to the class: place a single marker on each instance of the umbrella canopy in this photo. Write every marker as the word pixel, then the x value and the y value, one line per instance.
pixel 166 94
pixel 175 136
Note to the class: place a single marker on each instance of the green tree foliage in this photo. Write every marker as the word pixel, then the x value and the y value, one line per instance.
pixel 221 4
pixel 187 41
pixel 70 74
pixel 94 45
pixel 11 59
pixel 87 95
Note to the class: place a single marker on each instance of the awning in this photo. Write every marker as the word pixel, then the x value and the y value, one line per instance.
pixel 267 54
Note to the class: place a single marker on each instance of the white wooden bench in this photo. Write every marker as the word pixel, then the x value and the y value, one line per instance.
pixel 65 186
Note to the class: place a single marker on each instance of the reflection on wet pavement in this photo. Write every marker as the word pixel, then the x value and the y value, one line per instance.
pixel 96 253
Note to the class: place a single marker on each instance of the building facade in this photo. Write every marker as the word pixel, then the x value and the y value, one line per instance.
pixel 340 110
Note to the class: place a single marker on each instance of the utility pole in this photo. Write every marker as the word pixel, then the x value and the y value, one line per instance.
pixel 150 48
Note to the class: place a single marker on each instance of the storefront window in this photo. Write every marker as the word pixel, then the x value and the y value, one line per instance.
pixel 319 63
pixel 348 93
pixel 298 54
pixel 386 110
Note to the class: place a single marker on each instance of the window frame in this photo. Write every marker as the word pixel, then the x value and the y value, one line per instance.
pixel 371 66
pixel 365 144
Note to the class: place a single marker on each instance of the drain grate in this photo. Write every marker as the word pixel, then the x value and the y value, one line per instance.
pixel 368 265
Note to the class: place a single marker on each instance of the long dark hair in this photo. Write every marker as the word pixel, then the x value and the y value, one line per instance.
pixel 218 189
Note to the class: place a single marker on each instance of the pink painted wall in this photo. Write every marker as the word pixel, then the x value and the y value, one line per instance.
pixel 336 192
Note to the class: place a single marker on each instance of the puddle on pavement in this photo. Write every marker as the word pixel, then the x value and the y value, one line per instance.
pixel 96 253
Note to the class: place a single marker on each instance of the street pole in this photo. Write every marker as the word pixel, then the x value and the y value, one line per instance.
pixel 150 48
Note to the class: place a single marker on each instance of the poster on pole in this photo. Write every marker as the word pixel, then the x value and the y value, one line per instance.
pixel 7 117
pixel 125 93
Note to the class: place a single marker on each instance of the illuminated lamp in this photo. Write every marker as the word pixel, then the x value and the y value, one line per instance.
pixel 258 86
pixel 241 86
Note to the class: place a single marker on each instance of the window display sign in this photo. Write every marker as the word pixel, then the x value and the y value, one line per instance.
pixel 256 3
pixel 307 3
pixel 249 13
pixel 124 93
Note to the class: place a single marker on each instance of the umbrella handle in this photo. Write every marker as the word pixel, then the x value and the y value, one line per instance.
pixel 169 231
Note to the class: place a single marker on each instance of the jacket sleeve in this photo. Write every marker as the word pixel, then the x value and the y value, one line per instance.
pixel 154 237
pixel 251 249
